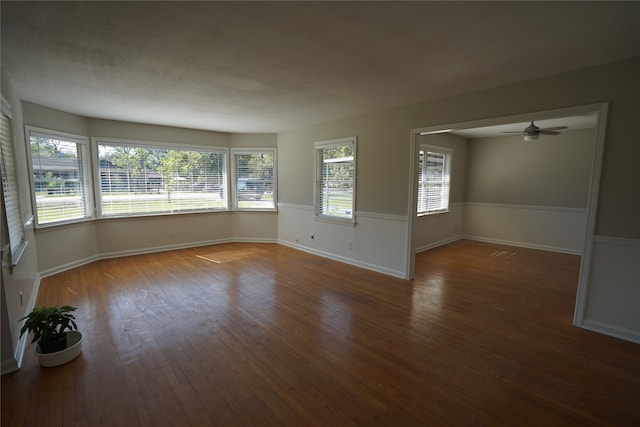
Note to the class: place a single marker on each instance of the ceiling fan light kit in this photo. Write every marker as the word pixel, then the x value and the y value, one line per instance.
pixel 533 132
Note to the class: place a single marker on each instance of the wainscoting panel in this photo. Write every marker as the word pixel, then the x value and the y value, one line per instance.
pixel 376 241
pixel 538 227
pixel 613 297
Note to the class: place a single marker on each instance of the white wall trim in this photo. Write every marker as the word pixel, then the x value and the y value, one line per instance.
pixel 350 261
pixel 602 110
pixel 617 241
pixel 22 341
pixel 528 207
pixel 252 240
pixel 614 331
pixel 524 245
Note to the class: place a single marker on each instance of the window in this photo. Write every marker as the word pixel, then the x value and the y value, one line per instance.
pixel 335 175
pixel 140 179
pixel 433 180
pixel 254 181
pixel 60 177
pixel 12 218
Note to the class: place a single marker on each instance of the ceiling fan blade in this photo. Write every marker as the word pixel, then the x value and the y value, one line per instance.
pixel 555 128
pixel 548 132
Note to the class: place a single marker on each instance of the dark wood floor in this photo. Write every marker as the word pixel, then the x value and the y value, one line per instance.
pixel 261 334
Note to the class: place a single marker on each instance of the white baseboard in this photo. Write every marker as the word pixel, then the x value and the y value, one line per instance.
pixel 614 331
pixel 356 263
pixel 9 366
pixel 142 251
pixel 23 341
pixel 252 240
pixel 68 266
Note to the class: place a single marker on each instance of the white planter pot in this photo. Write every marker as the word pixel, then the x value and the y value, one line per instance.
pixel 74 348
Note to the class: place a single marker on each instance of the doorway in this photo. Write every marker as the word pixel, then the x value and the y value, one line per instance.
pixel 598 112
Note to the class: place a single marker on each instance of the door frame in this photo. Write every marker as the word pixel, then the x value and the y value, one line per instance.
pixel 601 111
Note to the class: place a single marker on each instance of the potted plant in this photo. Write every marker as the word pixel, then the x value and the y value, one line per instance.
pixel 56 333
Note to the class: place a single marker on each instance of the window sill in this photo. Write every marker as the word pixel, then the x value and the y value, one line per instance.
pixel 438 212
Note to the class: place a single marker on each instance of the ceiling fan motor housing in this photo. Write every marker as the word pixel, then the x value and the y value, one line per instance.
pixel 531 132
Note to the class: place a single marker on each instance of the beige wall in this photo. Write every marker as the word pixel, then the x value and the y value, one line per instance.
pixel 152 133
pixel 253 140
pixel 382 158
pixel 49 118
pixel 552 171
pixel 384 140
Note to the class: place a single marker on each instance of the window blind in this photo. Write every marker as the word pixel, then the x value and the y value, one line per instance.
pixel 335 179
pixel 10 195
pixel 60 178
pixel 433 183
pixel 254 183
pixel 140 179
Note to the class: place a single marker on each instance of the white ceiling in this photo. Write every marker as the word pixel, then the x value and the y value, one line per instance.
pixel 268 67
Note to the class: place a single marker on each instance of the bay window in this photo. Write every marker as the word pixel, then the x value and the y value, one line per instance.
pixel 254 179
pixel 140 179
pixel 60 177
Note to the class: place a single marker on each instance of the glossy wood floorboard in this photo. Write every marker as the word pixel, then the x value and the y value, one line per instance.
pixel 262 334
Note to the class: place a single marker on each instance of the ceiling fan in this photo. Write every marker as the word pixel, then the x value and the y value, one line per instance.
pixel 532 132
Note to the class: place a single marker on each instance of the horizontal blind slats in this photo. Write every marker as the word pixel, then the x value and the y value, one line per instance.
pixel 59 178
pixel 433 183
pixel 335 166
pixel 11 196
pixel 254 180
pixel 138 180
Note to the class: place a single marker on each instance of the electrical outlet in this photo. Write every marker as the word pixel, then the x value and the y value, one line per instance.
pixel 171 234
pixel 297 239
pixel 350 245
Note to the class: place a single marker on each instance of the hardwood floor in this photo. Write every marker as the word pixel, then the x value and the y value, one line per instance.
pixel 262 334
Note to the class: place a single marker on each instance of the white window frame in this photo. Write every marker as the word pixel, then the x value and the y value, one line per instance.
pixel 234 179
pixel 96 141
pixel 318 207
pixel 446 180
pixel 85 166
pixel 13 224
